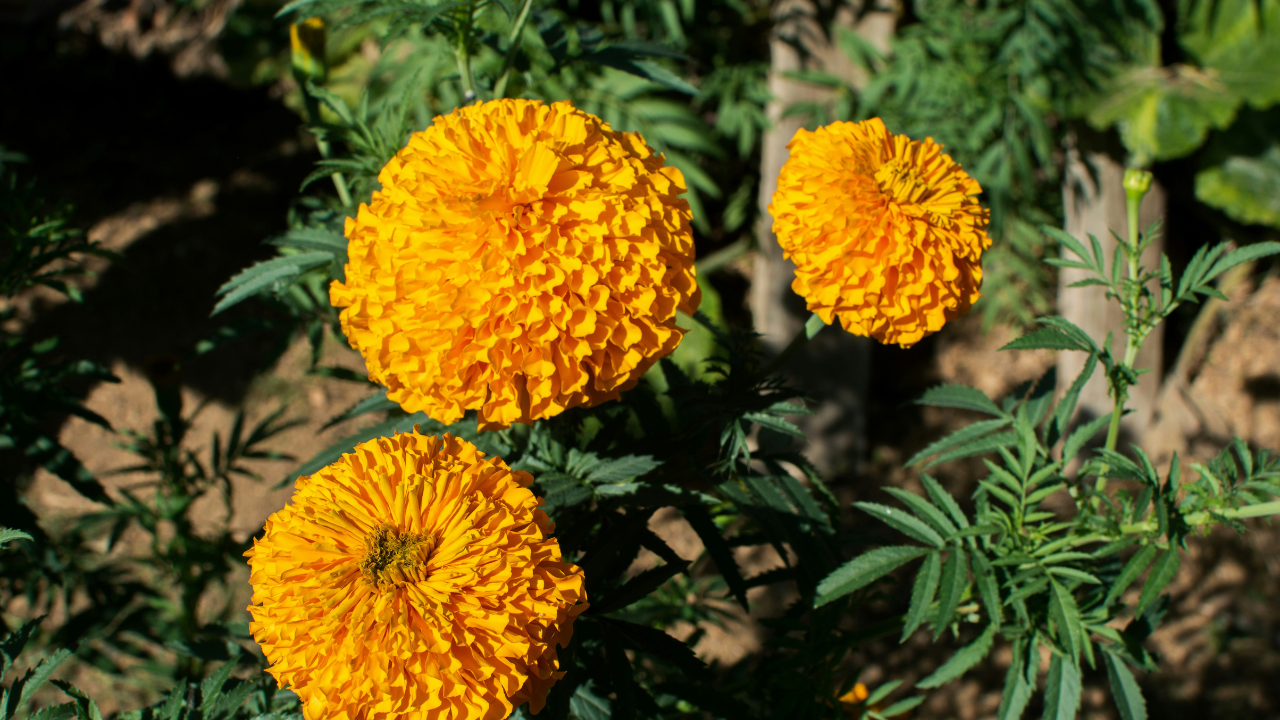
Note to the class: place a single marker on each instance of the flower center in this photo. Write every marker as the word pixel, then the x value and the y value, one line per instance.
pixel 900 180
pixel 393 557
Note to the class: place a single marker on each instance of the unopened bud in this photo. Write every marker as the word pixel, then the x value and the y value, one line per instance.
pixel 1136 183
pixel 306 42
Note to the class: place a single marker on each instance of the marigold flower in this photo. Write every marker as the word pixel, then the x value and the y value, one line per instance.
pixel 413 579
pixel 886 232
pixel 520 259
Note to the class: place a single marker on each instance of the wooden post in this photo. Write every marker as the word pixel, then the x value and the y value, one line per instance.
pixel 833 369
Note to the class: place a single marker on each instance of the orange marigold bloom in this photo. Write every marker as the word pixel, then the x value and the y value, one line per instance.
pixel 520 259
pixel 413 580
pixel 886 232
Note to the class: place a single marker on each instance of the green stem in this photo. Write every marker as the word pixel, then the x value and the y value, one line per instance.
pixel 812 327
pixel 463 51
pixel 313 117
pixel 500 89
pixel 1133 342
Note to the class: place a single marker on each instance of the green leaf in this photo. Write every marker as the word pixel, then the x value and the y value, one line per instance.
pixel 637 588
pixel 1124 689
pixel 981 446
pixel 587 705
pixel 955 578
pixel 1240 173
pixel 376 402
pixel 960 396
pixel 959 437
pixel 9 534
pixel 1242 255
pixel 1082 435
pixel 1019 680
pixel 262 275
pixel 623 468
pixel 964 659
pixel 901 707
pixel 1164 113
pixel 1162 573
pixel 903 522
pixel 1066 617
pixel 660 645
pixel 721 554
pixel 1062 689
pixel 985 578
pixel 36 677
pixel 387 428
pixel 1130 572
pixel 943 499
pixel 1046 339
pixel 864 570
pixel 922 594
pixel 926 510
pixel 313 238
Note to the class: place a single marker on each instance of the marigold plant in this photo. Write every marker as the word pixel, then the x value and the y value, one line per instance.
pixel 886 232
pixel 520 259
pixel 413 578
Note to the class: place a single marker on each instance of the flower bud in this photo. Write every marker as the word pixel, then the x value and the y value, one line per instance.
pixel 1136 183
pixel 306 44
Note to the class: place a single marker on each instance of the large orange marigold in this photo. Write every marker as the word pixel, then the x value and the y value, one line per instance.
pixel 886 232
pixel 413 579
pixel 520 259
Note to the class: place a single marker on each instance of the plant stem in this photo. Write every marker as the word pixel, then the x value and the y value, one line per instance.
pixel 463 51
pixel 313 117
pixel 812 327
pixel 500 89
pixel 1136 184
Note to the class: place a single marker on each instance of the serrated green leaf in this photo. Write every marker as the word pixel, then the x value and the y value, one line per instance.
pixel 1062 690
pixel 955 578
pixel 901 707
pixel 959 437
pixel 983 445
pixel 864 570
pixel 943 499
pixel 1066 617
pixel 1082 435
pixel 960 396
pixel 922 594
pixel 1124 689
pixel 9 535
pixel 262 275
pixel 387 428
pixel 36 677
pixel 1046 339
pixel 964 659
pixel 985 579
pixel 1162 573
pixel 1130 572
pixel 903 522
pixel 1019 680
pixel 587 705
pixel 925 510
pixel 623 468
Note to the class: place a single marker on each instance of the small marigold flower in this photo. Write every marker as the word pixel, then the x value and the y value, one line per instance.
pixel 886 232
pixel 520 259
pixel 413 580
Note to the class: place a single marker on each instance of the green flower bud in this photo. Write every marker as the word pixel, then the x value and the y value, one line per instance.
pixel 1136 183
pixel 306 42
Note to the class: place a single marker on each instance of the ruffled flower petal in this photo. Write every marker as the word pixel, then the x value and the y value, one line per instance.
pixel 413 579
pixel 886 232
pixel 520 259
